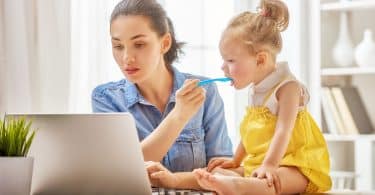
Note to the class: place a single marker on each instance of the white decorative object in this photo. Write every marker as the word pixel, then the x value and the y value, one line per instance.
pixel 343 52
pixel 15 175
pixel 365 51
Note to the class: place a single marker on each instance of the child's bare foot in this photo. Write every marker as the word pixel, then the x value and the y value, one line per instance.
pixel 223 185
pixel 199 174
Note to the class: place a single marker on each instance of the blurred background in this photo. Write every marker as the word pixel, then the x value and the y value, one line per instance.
pixel 54 52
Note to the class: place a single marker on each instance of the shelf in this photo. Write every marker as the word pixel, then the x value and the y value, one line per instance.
pixel 348 6
pixel 331 137
pixel 347 71
pixel 352 156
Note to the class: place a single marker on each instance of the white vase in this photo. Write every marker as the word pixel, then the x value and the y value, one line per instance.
pixel 15 175
pixel 343 50
pixel 365 51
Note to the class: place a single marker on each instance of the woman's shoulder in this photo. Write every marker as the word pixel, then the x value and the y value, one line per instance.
pixel 110 87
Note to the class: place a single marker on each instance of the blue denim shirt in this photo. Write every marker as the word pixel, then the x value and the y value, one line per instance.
pixel 205 136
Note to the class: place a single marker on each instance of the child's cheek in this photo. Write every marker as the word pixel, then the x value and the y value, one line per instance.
pixel 233 71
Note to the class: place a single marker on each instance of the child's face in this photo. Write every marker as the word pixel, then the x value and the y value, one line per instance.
pixel 136 48
pixel 239 64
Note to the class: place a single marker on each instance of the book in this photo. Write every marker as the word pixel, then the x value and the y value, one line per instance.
pixel 343 109
pixel 358 110
pixel 324 127
pixel 332 117
pixel 327 113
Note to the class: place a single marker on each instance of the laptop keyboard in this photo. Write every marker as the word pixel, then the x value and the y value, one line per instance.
pixel 164 191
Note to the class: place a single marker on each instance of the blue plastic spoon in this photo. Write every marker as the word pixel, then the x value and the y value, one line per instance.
pixel 205 82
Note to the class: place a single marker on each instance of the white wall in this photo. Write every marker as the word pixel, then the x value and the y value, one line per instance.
pixel 35 59
pixel 16 77
pixel 2 60
pixel 53 46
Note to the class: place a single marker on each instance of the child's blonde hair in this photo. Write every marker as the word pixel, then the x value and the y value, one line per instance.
pixel 261 30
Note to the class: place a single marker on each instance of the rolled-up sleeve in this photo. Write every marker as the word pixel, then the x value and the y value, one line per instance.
pixel 217 140
pixel 100 102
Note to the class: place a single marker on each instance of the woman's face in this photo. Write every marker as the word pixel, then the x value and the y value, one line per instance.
pixel 238 63
pixel 136 47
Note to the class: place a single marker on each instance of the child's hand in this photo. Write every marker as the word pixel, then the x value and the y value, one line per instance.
pixel 160 176
pixel 225 163
pixel 189 98
pixel 269 173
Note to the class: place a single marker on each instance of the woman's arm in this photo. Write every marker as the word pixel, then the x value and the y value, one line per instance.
pixel 289 99
pixel 189 98
pixel 186 180
pixel 162 177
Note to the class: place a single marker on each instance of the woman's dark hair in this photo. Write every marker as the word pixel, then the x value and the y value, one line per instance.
pixel 159 21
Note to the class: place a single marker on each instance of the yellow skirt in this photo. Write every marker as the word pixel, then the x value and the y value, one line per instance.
pixel 307 149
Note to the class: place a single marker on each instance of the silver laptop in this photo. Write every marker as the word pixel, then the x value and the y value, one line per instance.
pixel 87 154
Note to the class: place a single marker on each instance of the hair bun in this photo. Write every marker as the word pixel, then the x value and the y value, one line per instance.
pixel 277 11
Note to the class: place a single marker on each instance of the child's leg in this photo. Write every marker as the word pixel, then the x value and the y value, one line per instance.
pixel 292 181
pixel 216 171
pixel 238 172
pixel 231 185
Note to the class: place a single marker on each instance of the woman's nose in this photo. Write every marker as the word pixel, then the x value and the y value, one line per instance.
pixel 127 57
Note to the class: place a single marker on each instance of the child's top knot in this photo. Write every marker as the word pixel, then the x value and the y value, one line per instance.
pixel 263 12
pixel 261 29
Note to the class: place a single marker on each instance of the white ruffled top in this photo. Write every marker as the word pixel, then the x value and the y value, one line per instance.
pixel 281 76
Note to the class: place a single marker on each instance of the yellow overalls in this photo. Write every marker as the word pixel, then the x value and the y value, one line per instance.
pixel 307 149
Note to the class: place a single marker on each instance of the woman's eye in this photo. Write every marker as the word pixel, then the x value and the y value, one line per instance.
pixel 139 45
pixel 117 46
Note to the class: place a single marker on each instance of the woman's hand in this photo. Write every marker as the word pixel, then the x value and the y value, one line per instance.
pixel 223 162
pixel 269 173
pixel 160 176
pixel 189 98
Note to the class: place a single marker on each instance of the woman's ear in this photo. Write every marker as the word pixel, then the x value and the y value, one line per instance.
pixel 262 58
pixel 166 43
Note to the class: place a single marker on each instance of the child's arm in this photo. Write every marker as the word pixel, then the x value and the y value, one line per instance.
pixel 289 100
pixel 227 163
pixel 239 155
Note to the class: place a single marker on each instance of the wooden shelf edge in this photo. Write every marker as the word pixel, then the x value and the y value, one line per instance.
pixel 348 6
pixel 332 137
pixel 347 71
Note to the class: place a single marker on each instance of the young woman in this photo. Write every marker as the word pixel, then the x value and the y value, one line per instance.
pixel 181 126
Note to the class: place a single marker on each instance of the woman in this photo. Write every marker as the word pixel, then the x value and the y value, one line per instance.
pixel 180 125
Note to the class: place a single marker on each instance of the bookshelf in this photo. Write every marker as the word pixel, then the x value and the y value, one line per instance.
pixel 348 138
pixel 348 5
pixel 347 71
pixel 352 152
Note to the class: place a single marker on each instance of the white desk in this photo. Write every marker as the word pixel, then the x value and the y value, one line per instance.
pixel 162 191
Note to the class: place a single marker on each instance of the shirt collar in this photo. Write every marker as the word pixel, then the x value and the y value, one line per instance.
pixel 281 71
pixel 133 95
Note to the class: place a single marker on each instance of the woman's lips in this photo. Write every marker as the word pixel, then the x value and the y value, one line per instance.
pixel 131 71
